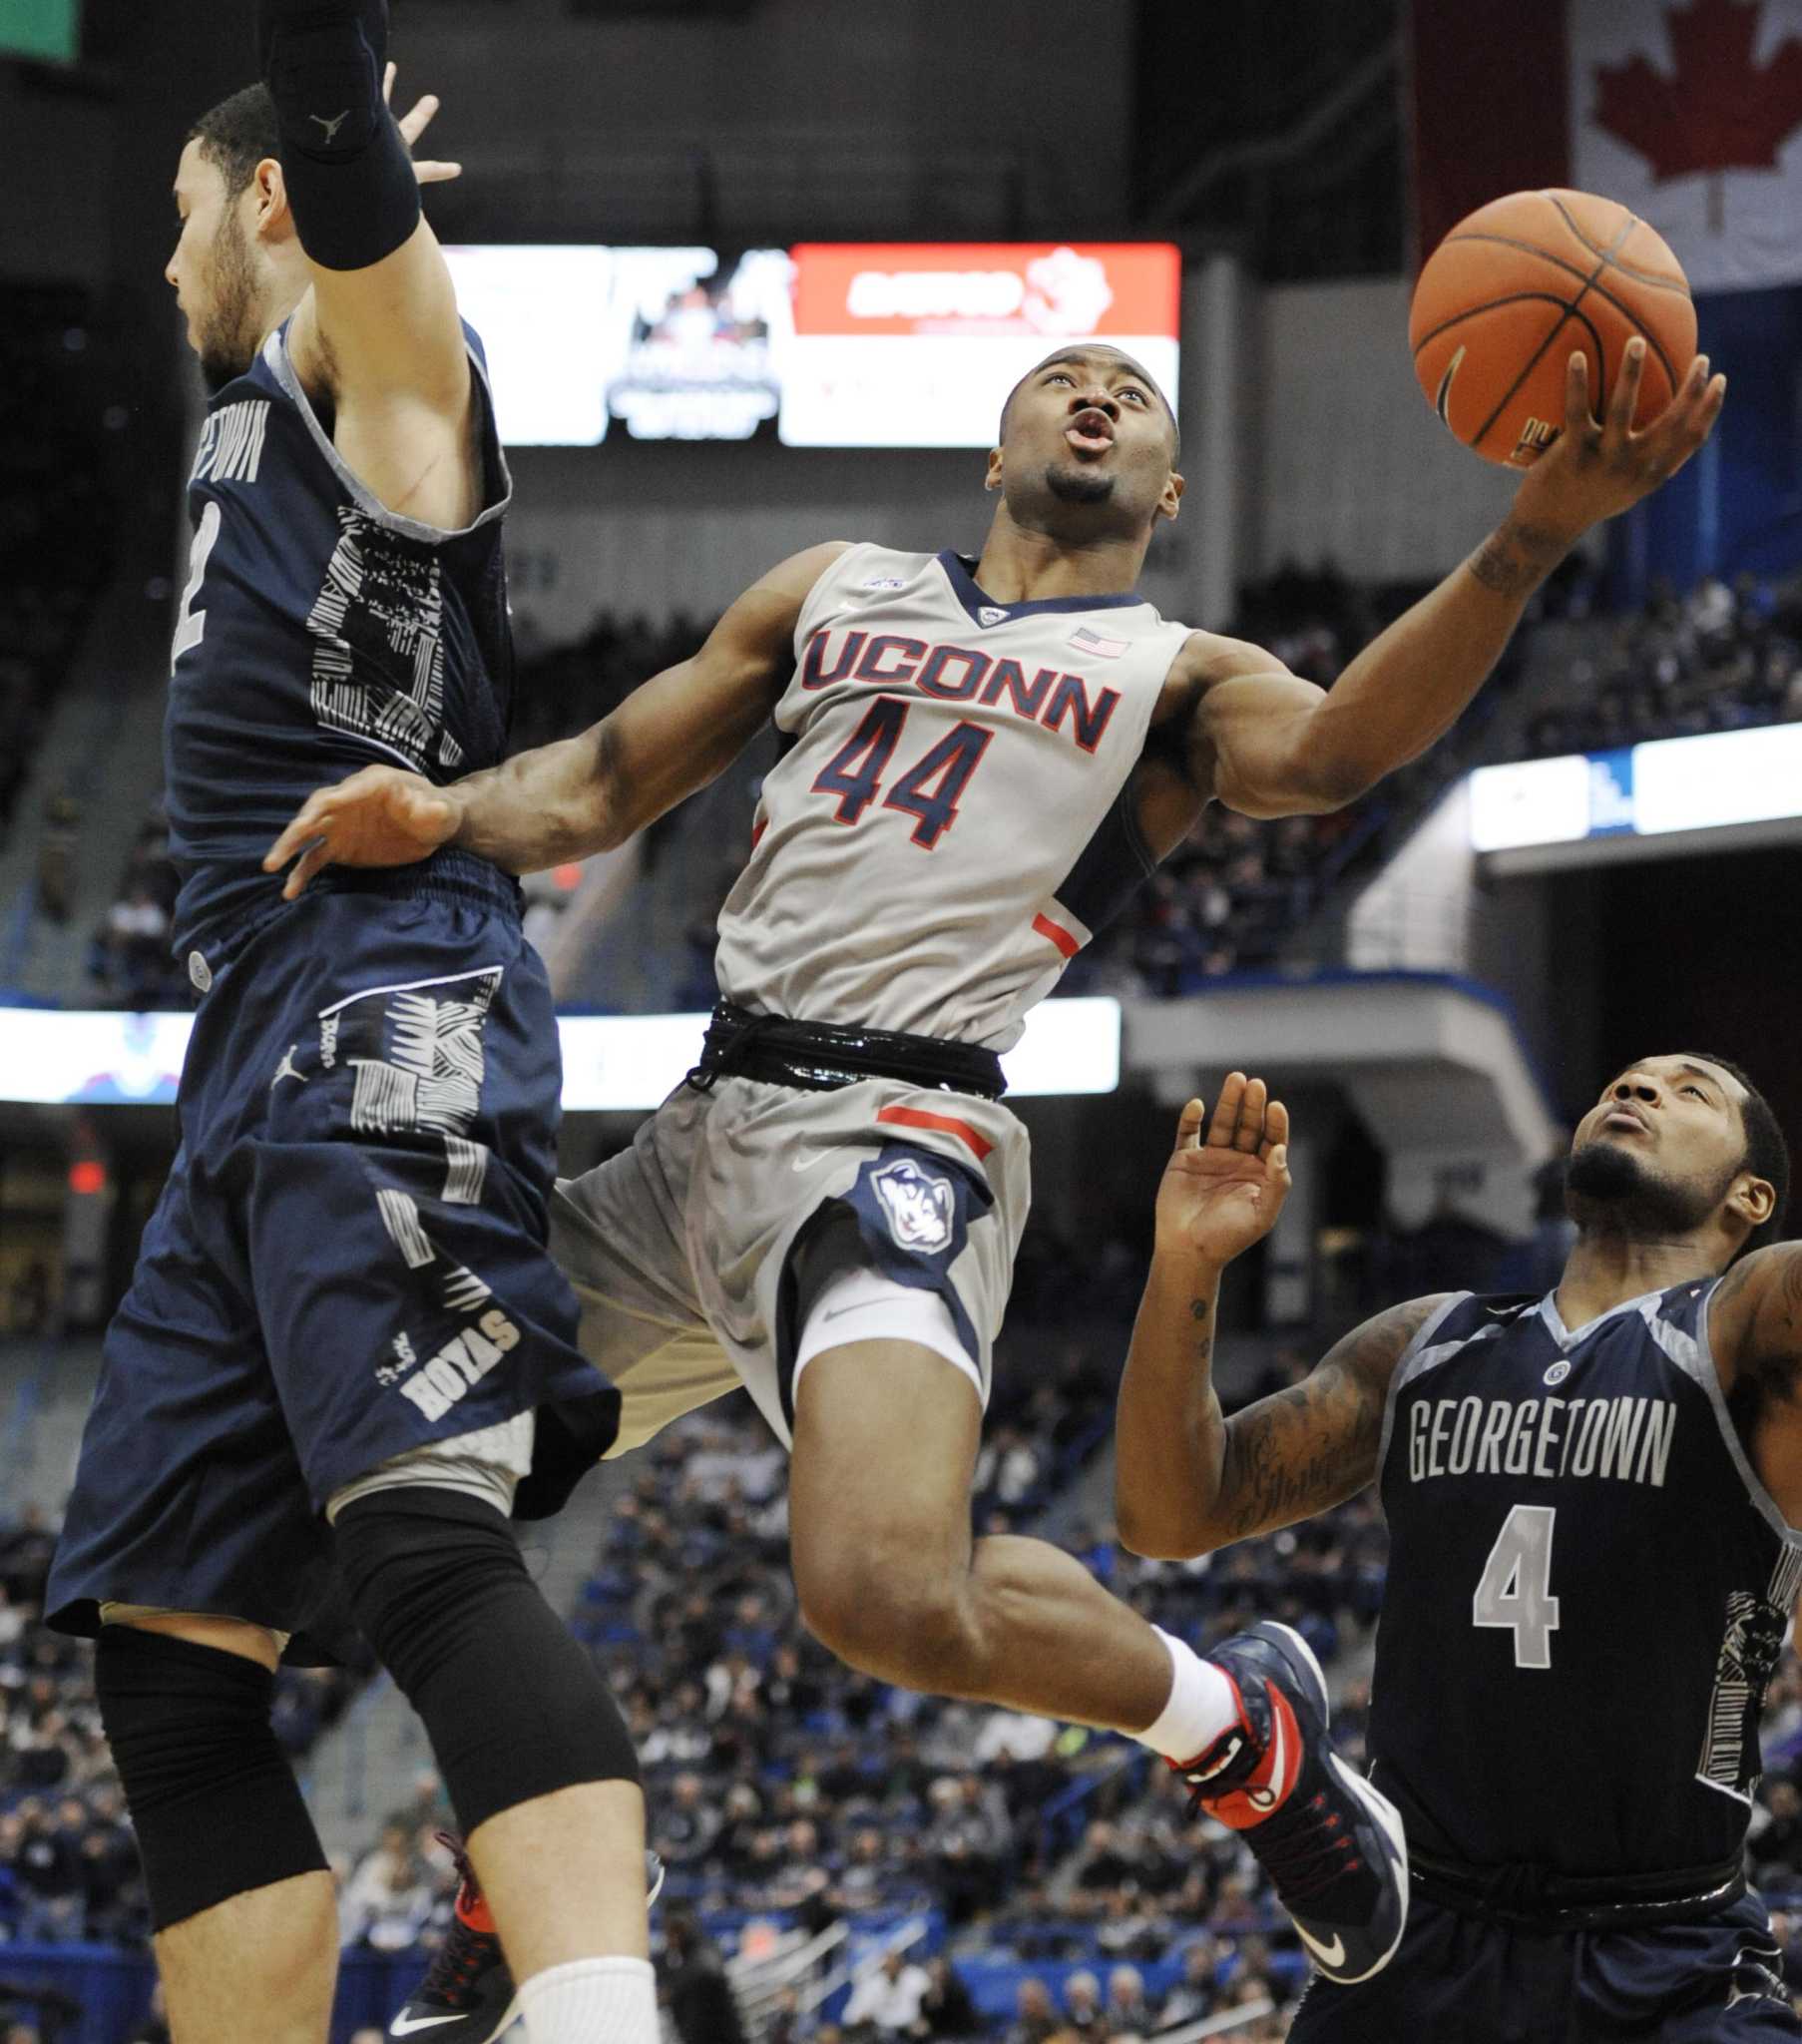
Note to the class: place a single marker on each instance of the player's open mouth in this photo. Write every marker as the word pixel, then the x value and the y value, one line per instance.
pixel 1625 1119
pixel 1089 432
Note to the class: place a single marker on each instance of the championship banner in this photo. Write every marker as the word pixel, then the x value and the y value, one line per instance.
pixel 1689 111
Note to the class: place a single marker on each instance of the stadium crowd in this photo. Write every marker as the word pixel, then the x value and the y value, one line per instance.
pixel 55 518
pixel 1722 657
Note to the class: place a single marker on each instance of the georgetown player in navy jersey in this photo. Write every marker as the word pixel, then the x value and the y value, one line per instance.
pixel 988 757
pixel 1595 1506
pixel 344 1322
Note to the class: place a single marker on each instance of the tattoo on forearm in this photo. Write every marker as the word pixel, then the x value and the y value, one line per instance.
pixel 1314 1445
pixel 1517 558
pixel 1200 1310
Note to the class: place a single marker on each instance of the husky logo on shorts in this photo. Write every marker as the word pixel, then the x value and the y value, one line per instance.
pixel 920 1206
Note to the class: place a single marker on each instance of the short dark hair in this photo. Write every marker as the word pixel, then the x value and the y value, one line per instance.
pixel 1767 1154
pixel 1169 410
pixel 238 134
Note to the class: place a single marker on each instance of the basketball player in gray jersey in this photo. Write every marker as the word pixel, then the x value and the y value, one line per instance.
pixel 986 756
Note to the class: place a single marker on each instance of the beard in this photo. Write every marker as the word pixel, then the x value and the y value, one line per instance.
pixel 1078 485
pixel 1608 1191
pixel 228 334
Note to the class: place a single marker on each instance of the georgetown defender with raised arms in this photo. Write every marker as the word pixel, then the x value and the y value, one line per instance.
pixel 344 1318
pixel 987 756
pixel 1593 1502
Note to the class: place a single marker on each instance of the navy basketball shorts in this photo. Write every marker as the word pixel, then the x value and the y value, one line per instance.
pixel 1717 1982
pixel 347 1263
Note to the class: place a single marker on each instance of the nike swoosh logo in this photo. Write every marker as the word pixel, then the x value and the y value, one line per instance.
pixel 1328 1954
pixel 404 2026
pixel 1266 1798
pixel 1444 398
pixel 808 1160
pixel 862 1306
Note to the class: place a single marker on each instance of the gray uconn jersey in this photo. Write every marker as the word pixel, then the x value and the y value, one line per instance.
pixel 950 824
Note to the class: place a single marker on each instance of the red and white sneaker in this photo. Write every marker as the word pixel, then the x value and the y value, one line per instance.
pixel 468 1996
pixel 1331 1844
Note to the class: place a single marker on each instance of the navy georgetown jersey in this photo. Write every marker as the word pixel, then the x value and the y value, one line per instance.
pixel 320 632
pixel 1587 1591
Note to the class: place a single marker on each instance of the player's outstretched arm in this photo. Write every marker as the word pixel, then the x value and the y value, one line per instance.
pixel 1268 745
pixel 379 332
pixel 583 794
pixel 1186 1478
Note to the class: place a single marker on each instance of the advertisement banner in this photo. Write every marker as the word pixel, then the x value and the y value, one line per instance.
pixel 827 344
pixel 905 345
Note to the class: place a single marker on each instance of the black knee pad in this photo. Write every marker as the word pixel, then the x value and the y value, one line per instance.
pixel 213 1798
pixel 512 1704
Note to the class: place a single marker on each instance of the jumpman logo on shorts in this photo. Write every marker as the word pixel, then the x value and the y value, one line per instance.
pixel 287 1068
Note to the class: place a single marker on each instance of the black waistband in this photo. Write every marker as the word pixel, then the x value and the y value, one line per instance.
pixel 820 1056
pixel 450 875
pixel 1536 1899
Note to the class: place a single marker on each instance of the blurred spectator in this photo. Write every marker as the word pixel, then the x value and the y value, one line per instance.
pixel 388 1900
pixel 887 2001
pixel 696 1986
pixel 1034 2019
pixel 1083 2015
pixel 946 2009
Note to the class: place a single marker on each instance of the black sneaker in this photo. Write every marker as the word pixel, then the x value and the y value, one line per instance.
pixel 1332 1845
pixel 468 1996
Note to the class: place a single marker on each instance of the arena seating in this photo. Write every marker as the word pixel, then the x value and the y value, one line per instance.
pixel 55 515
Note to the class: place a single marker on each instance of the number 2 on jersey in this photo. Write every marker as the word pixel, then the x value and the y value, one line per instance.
pixel 190 625
pixel 1516 1588
pixel 929 790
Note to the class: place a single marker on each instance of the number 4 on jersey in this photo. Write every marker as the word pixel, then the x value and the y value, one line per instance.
pixel 930 790
pixel 1515 1590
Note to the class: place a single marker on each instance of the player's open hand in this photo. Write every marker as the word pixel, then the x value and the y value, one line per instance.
pixel 412 125
pixel 1223 1190
pixel 1597 468
pixel 381 816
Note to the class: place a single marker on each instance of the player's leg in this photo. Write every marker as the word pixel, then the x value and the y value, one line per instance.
pixel 188 1507
pixel 540 1772
pixel 413 1343
pixel 1715 1981
pixel 887 1575
pixel 885 1444
pixel 243 1904
pixel 886 1431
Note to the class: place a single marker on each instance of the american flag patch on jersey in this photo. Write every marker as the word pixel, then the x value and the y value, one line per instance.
pixel 1086 641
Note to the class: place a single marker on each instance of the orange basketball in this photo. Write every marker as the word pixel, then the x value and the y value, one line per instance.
pixel 1514 290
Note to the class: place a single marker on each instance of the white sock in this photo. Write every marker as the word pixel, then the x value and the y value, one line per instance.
pixel 592 2002
pixel 1203 1704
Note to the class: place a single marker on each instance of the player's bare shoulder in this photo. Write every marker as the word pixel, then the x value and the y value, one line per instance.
pixel 1755 1318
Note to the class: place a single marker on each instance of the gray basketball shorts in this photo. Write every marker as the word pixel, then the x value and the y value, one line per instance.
pixel 680 1248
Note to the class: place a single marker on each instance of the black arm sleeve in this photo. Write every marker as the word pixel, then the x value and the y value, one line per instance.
pixel 349 176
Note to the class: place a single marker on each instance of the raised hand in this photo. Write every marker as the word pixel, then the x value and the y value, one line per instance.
pixel 1595 469
pixel 412 125
pixel 381 816
pixel 1222 1192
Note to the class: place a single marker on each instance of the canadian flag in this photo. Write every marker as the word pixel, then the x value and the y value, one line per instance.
pixel 1688 111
